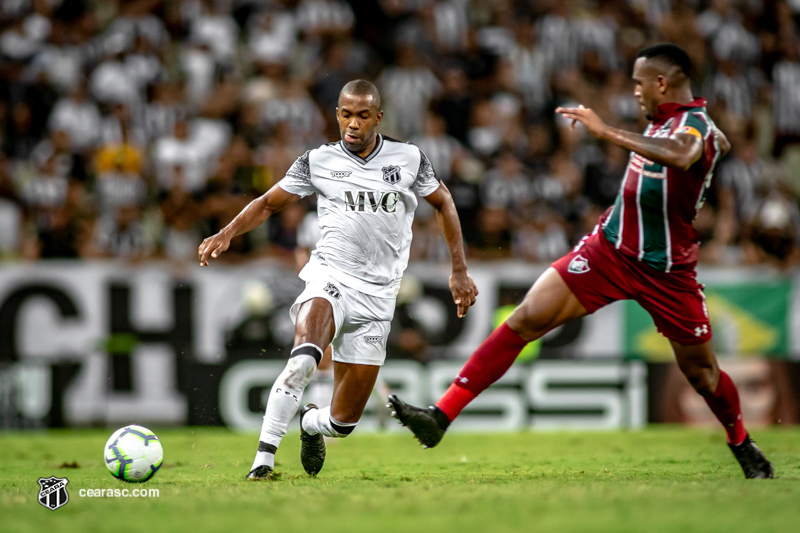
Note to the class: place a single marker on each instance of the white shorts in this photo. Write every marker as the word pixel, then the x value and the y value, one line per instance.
pixel 362 321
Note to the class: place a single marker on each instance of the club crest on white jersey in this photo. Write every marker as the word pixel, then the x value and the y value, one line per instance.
pixel 391 174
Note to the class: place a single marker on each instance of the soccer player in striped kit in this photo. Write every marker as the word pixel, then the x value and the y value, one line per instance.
pixel 644 249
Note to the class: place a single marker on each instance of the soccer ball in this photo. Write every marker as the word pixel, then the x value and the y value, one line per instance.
pixel 133 454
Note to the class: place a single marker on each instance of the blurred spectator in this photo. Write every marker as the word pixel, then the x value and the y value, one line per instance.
pixel 529 66
pixel 57 147
pixel 407 90
pixel 444 152
pixel 180 212
pixel 60 62
pixel 506 186
pixel 112 82
pixel 216 29
pixel 199 67
pixel 272 34
pixel 79 117
pixel 454 104
pixel 25 37
pixel 318 18
pixel 775 229
pixel 295 108
pixel 132 21
pixel 731 90
pixel 122 235
pixel 740 176
pixel 485 135
pixel 786 97
pixel 179 151
pixel 163 110
pixel 540 236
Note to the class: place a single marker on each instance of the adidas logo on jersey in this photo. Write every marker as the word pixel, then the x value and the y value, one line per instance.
pixel 371 201
pixel 578 265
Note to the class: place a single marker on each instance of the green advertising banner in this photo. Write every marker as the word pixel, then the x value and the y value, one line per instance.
pixel 748 318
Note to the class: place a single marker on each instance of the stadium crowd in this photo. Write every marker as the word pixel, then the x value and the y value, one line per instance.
pixel 132 129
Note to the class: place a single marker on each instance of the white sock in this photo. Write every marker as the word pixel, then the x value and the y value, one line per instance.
pixel 284 400
pixel 321 421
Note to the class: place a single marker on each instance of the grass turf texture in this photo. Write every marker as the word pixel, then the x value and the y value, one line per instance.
pixel 657 480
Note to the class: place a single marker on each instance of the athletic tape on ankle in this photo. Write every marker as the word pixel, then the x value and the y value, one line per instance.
pixel 308 349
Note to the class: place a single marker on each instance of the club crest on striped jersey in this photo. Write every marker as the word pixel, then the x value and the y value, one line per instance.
pixel 578 265
pixel 391 174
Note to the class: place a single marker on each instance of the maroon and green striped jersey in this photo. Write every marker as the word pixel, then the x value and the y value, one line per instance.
pixel 651 219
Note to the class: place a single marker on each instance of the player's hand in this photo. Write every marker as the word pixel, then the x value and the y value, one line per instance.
pixel 212 247
pixel 585 116
pixel 464 292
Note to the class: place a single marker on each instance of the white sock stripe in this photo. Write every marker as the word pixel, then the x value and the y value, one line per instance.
pixel 345 424
pixel 309 349
pixel 308 344
pixel 342 429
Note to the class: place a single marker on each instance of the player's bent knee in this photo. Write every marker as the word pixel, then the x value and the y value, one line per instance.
pixel 528 322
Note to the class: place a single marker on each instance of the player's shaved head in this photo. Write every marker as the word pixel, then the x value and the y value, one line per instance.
pixel 361 88
pixel 668 60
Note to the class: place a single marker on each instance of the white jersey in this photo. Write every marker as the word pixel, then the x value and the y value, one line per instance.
pixel 365 208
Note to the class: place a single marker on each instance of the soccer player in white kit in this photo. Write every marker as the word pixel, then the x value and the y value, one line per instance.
pixel 367 187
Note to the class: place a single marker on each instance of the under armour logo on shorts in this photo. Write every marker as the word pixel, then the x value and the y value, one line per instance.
pixel 331 289
pixel 579 265
pixel 701 330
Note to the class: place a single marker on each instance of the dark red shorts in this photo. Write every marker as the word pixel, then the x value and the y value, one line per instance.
pixel 598 274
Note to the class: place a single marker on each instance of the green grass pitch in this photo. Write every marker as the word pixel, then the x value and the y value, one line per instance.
pixel 656 480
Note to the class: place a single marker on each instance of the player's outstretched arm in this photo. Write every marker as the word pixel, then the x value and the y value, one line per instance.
pixel 679 151
pixel 461 285
pixel 252 216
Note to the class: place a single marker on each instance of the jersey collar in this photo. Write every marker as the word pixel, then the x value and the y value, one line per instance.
pixel 370 157
pixel 668 110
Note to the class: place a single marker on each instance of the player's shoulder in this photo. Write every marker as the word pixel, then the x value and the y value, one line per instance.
pixel 695 122
pixel 698 116
pixel 396 146
pixel 323 151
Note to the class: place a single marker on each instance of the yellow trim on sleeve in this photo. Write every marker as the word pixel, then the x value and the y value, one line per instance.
pixel 690 131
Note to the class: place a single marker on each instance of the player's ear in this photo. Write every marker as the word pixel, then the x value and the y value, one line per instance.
pixel 663 83
pixel 337 112
pixel 379 117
